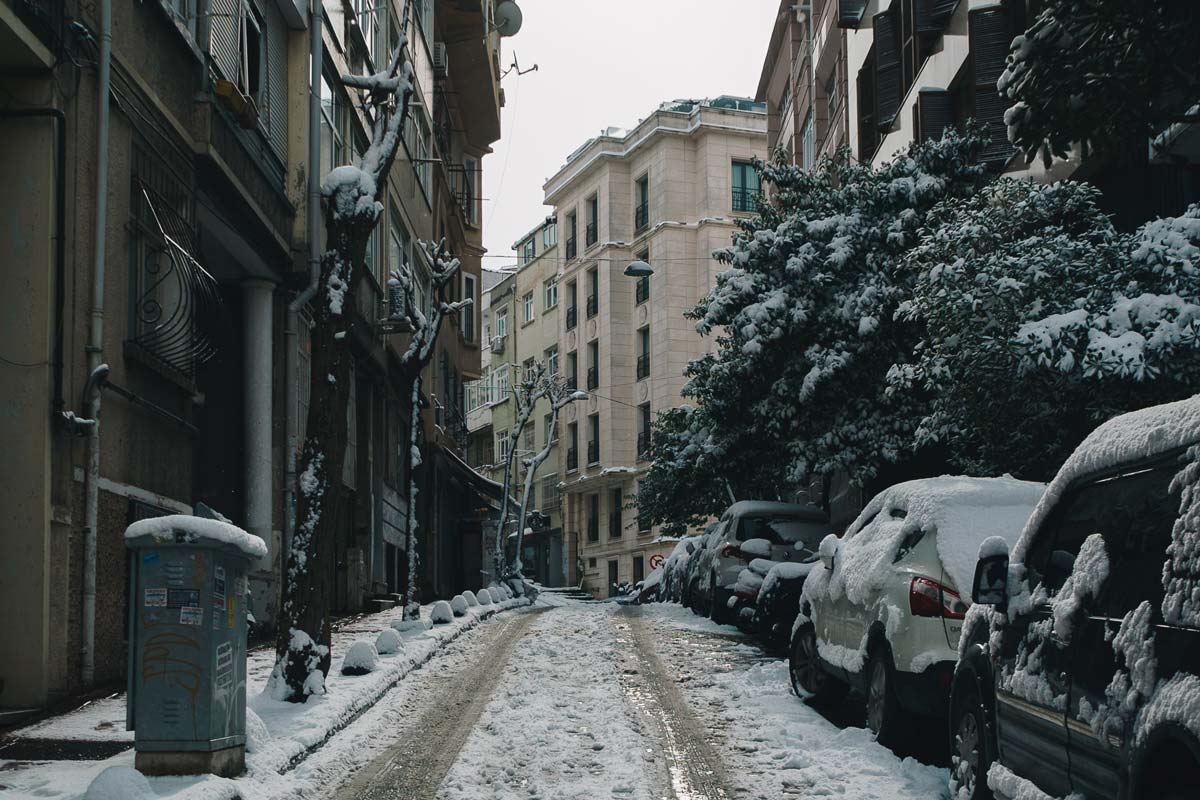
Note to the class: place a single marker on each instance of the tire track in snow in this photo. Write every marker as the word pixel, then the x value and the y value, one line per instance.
pixel 695 769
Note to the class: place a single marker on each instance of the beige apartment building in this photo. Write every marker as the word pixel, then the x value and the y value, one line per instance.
pixel 668 193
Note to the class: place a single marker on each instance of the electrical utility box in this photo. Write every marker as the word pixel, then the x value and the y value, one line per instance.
pixel 187 644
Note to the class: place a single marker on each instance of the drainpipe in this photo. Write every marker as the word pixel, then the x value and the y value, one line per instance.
pixel 316 28
pixel 95 348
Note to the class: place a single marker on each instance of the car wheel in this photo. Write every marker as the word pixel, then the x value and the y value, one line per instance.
pixel 809 678
pixel 970 749
pixel 883 711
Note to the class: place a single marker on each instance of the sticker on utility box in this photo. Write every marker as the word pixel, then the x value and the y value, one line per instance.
pixel 219 583
pixel 191 615
pixel 156 597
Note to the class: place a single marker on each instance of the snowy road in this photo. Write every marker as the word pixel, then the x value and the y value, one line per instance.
pixel 595 701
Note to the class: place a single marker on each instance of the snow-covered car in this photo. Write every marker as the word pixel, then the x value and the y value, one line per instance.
pixel 674 570
pixel 1080 666
pixel 698 570
pixel 885 609
pixel 744 595
pixel 778 601
pixel 751 529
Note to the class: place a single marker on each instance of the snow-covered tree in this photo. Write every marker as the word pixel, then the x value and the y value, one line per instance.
pixel 526 392
pixel 351 197
pixel 1040 320
pixel 805 324
pixel 1102 72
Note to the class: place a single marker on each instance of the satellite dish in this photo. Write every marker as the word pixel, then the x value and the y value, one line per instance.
pixel 508 18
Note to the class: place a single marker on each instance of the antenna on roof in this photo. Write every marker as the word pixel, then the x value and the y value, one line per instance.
pixel 516 67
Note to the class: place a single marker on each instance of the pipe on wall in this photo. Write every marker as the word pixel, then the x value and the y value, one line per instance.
pixel 95 347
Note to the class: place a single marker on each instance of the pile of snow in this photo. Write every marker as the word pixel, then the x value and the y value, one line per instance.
pixel 784 571
pixel 750 579
pixel 257 734
pixel 186 529
pixel 1181 572
pixel 960 512
pixel 360 659
pixel 441 614
pixel 120 783
pixel 458 604
pixel 1084 584
pixel 756 547
pixel 485 597
pixel 387 642
pixel 470 597
pixel 406 625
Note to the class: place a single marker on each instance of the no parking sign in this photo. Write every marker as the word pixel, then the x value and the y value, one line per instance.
pixel 656 561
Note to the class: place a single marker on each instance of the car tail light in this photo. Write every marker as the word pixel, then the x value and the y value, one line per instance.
pixel 928 598
pixel 733 551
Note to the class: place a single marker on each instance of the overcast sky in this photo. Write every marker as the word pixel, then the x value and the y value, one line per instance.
pixel 602 63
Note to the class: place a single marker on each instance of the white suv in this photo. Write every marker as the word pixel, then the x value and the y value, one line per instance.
pixel 884 614
pixel 759 529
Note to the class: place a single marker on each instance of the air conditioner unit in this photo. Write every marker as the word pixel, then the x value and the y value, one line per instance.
pixel 502 97
pixel 441 60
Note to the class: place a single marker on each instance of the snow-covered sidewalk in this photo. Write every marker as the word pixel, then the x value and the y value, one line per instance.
pixel 294 730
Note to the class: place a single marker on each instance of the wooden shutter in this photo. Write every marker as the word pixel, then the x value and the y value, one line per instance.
pixel 989 34
pixel 868 134
pixel 275 37
pixel 888 80
pixel 850 12
pixel 225 42
pixel 932 15
pixel 934 112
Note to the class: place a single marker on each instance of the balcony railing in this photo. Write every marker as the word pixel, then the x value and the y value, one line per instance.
pixel 462 188
pixel 572 317
pixel 745 199
pixel 614 525
pixel 592 233
pixel 642 290
pixel 593 378
pixel 643 366
pixel 641 217
pixel 643 444
pixel 593 452
pixel 593 529
pixel 572 459
pixel 572 248
pixel 572 383
pixel 593 306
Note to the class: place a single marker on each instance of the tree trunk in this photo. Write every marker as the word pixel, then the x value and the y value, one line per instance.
pixel 412 602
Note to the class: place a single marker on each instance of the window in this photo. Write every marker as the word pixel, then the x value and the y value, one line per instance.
pixel 332 117
pixel 417 138
pixel 643 360
pixel 549 428
pixel 526 368
pixel 527 305
pixel 502 323
pixel 572 370
pixel 831 96
pixel 593 518
pixel 185 12
pixel 572 318
pixel 549 236
pixel 366 12
pixel 552 360
pixel 746 186
pixel 643 440
pixel 809 152
pixel 593 300
pixel 594 441
pixel 530 438
pixel 642 288
pixel 527 251
pixel 423 16
pixel 639 569
pixel 571 231
pixel 643 518
pixel 573 447
pixel 550 294
pixel 252 72
pixel 502 444
pixel 614 513
pixel 641 213
pixel 868 130
pixel 593 217
pixel 468 313
pixel 593 373
pixel 785 100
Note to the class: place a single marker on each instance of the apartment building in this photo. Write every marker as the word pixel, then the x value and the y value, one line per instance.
pixel 666 192
pixel 172 253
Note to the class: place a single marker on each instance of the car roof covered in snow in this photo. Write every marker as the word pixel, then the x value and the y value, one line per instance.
pixel 743 508
pixel 1131 438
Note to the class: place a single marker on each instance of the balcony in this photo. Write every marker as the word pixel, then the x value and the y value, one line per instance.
pixel 593 452
pixel 572 317
pixel 641 217
pixel 572 247
pixel 593 529
pixel 614 525
pixel 572 459
pixel 745 200
pixel 593 378
pixel 498 345
pixel 593 306
pixel 643 366
pixel 462 188
pixel 642 290
pixel 643 445
pixel 592 233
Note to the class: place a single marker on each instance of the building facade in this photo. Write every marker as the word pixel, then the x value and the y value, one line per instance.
pixel 155 274
pixel 666 192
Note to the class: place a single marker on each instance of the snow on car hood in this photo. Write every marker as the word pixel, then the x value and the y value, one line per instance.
pixel 960 511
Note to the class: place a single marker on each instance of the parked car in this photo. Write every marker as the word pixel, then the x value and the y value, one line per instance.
pixel 1080 667
pixel 778 602
pixel 744 596
pixel 885 610
pixel 698 570
pixel 751 529
pixel 674 570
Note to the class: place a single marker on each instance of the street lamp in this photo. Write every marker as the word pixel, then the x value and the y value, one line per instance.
pixel 579 394
pixel 639 269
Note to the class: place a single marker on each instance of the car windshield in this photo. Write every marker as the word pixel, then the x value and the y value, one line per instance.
pixel 783 530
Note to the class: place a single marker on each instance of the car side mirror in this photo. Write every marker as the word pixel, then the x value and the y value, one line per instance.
pixel 991 581
pixel 828 550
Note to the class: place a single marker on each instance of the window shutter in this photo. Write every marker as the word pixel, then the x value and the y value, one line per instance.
pixel 225 39
pixel 932 15
pixel 887 69
pixel 868 134
pixel 850 12
pixel 934 113
pixel 990 35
